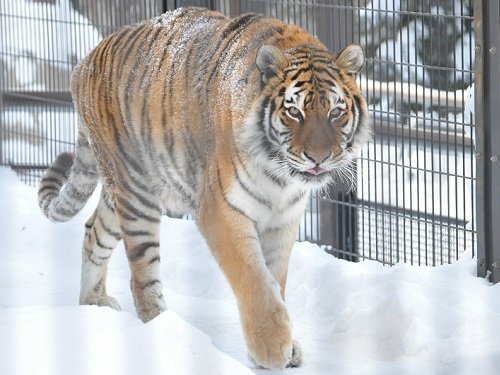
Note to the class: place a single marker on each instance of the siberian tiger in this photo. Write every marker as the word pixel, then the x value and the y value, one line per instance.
pixel 234 121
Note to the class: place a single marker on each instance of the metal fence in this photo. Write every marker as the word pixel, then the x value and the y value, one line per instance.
pixel 415 198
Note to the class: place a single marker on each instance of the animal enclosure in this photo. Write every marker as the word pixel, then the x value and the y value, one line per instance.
pixel 412 195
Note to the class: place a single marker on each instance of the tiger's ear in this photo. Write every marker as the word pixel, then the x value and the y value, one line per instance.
pixel 351 58
pixel 270 61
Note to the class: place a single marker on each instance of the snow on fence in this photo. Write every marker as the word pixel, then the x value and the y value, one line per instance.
pixel 414 199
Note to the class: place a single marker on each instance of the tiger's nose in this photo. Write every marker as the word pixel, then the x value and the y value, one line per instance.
pixel 318 156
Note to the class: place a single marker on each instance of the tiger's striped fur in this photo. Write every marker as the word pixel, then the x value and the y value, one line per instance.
pixel 232 120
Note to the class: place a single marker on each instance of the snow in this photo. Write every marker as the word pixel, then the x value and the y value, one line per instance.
pixel 403 52
pixel 351 318
pixel 119 342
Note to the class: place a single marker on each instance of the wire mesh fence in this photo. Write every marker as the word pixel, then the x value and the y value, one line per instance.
pixel 414 199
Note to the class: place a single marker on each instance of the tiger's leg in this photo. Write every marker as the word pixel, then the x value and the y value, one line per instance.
pixel 102 234
pixel 233 240
pixel 277 246
pixel 139 218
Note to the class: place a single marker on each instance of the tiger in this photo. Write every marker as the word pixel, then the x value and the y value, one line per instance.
pixel 235 121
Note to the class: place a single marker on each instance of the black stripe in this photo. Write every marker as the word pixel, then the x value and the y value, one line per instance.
pixel 328 72
pixel 265 142
pixel 137 184
pixel 129 35
pixel 133 233
pixel 98 285
pixel 138 252
pixel 79 193
pixel 302 83
pixel 131 162
pixel 224 197
pixel 108 202
pixel 299 72
pixel 257 42
pixel 60 171
pixel 137 33
pixel 98 241
pixel 192 160
pixel 125 215
pixel 90 256
pixel 116 235
pixel 135 211
pixel 169 141
pixel 144 201
pixel 361 118
pixel 49 187
pixel 100 83
pixel 273 132
pixel 154 259
pixel 262 112
pixel 178 187
pixel 327 81
pixel 261 200
pixel 356 121
pixel 132 78
pixel 146 121
pixel 172 64
pixel 149 284
pixel 55 180
pixel 237 24
pixel 126 33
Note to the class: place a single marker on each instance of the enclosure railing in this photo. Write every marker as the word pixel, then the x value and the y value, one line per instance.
pixel 487 49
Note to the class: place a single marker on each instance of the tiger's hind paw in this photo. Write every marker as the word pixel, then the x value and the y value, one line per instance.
pixel 102 301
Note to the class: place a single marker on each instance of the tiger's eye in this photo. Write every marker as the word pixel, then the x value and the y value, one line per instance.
pixel 295 113
pixel 334 114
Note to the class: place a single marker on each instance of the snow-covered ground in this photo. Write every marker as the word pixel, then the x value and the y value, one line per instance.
pixel 351 318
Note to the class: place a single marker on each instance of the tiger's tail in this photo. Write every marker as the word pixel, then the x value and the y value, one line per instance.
pixel 69 182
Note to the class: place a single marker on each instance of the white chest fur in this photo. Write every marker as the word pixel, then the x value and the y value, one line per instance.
pixel 269 203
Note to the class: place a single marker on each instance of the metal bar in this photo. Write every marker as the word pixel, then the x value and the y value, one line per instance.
pixel 418 94
pixel 434 136
pixel 234 8
pixel 487 111
pixel 33 97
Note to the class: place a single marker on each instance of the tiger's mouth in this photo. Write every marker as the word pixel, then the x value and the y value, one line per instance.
pixel 314 175
pixel 316 171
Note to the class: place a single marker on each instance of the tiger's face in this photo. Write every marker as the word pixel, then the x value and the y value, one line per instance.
pixel 314 118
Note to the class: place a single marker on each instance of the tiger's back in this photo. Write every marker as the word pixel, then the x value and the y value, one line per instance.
pixel 233 120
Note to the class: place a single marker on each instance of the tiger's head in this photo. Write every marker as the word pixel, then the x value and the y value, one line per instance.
pixel 313 119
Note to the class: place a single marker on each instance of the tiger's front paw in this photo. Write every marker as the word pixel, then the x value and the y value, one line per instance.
pixel 100 300
pixel 296 360
pixel 269 338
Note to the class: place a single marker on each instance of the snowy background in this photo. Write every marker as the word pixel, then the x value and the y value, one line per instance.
pixel 351 318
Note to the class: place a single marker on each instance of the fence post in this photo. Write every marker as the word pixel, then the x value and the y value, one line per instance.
pixel 234 8
pixel 487 117
pixel 339 222
pixel 2 113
